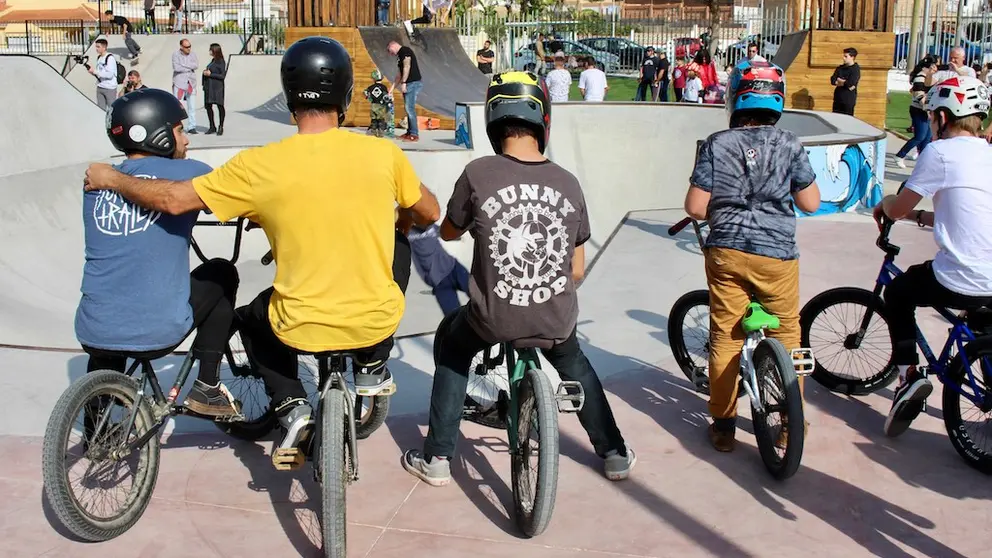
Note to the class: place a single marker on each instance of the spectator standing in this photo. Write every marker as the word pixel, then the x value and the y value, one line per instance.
pixel 704 67
pixel 485 57
pixel 213 88
pixel 381 112
pixel 150 17
pixel 664 77
pixel 558 80
pixel 133 83
pixel 592 82
pixel 184 66
pixel 918 110
pixel 648 76
pixel 105 72
pixel 176 15
pixel 382 12
pixel 955 67
pixel 693 87
pixel 678 79
pixel 409 82
pixel 126 29
pixel 845 81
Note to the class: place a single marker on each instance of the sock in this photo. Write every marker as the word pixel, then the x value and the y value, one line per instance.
pixel 903 369
pixel 209 371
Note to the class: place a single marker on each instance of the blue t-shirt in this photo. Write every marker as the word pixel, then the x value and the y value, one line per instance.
pixel 135 288
pixel 433 264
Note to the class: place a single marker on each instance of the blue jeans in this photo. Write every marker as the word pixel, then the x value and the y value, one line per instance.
pixel 921 133
pixel 410 103
pixel 446 291
pixel 382 14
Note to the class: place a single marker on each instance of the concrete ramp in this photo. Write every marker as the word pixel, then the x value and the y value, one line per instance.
pixel 46 124
pixel 449 76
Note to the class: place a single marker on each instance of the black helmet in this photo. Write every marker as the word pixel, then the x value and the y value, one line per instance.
pixel 143 121
pixel 518 99
pixel 316 71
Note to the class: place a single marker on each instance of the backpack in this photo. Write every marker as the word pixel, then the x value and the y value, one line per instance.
pixel 121 70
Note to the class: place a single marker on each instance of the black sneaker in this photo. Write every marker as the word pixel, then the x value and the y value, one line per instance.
pixel 214 401
pixel 372 379
pixel 907 403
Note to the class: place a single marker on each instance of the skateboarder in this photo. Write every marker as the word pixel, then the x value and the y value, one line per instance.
pixel 126 29
pixel 383 115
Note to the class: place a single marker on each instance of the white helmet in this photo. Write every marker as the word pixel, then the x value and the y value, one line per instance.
pixel 961 96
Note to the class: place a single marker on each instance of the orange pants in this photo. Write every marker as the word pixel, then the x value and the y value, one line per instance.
pixel 732 275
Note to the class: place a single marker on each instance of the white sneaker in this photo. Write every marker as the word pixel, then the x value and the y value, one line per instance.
pixel 900 162
pixel 914 155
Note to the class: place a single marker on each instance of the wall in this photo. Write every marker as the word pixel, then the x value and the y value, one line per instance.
pixel 850 175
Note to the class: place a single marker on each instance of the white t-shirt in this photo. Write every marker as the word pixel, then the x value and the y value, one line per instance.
pixel 957 173
pixel 692 89
pixel 948 74
pixel 593 81
pixel 558 82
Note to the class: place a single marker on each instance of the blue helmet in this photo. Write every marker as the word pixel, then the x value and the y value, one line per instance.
pixel 755 86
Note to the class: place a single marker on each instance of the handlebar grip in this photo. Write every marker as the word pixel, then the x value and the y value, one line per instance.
pixel 674 229
pixel 267 258
pixel 252 225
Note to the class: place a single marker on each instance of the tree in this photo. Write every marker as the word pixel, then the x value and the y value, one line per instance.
pixel 714 9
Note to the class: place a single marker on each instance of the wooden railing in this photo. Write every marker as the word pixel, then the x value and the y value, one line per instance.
pixel 855 15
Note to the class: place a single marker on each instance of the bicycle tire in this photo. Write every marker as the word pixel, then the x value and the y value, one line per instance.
pixel 676 340
pixel 832 379
pixel 334 474
pixel 259 426
pixel 773 352
pixel 533 506
pixel 65 505
pixel 974 456
pixel 374 418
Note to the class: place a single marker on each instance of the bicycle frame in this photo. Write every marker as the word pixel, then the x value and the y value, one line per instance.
pixel 517 362
pixel 750 382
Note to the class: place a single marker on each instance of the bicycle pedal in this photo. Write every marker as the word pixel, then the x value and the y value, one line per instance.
pixel 570 397
pixel 372 393
pixel 288 459
pixel 802 359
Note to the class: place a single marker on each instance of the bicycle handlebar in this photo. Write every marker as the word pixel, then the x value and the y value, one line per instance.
pixel 677 227
pixel 883 238
pixel 237 237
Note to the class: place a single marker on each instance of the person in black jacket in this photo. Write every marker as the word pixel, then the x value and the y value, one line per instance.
pixel 845 81
pixel 213 88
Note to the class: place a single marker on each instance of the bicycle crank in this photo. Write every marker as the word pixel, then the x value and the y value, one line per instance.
pixel 570 397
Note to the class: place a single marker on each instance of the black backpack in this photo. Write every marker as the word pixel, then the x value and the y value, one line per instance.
pixel 121 70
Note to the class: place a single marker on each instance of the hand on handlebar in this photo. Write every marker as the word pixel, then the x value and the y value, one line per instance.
pixel 880 217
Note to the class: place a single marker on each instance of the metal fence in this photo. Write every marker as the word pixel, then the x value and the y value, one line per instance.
pixel 618 44
pixel 194 16
pixel 939 26
pixel 48 37
pixel 265 36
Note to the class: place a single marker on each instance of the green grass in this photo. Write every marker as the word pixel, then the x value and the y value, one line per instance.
pixel 897 111
pixel 621 89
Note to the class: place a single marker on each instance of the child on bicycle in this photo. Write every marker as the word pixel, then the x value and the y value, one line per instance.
pixel 956 170
pixel 529 221
pixel 745 183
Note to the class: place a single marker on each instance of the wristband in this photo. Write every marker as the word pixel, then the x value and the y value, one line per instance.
pixel 919 218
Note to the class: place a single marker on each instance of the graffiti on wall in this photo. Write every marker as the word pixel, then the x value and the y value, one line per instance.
pixel 463 135
pixel 849 175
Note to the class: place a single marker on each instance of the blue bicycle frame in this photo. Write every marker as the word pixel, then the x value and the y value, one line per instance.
pixel 960 333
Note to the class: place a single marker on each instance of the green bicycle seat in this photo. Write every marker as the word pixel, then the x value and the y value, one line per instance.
pixel 756 318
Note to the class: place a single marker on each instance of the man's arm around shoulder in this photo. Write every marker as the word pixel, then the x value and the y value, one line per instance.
pixel 167 196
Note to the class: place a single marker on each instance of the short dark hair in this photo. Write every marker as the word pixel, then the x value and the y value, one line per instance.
pixel 134 73
pixel 101 41
pixel 754 45
pixel 109 12
pixel 852 51
pixel 517 131
pixel 314 110
pixel 755 118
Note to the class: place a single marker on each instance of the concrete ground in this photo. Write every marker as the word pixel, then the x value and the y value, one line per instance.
pixel 858 493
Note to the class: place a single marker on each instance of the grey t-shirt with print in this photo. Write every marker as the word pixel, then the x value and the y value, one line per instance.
pixel 751 173
pixel 526 219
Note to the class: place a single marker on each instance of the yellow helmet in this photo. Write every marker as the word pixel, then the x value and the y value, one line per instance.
pixel 517 99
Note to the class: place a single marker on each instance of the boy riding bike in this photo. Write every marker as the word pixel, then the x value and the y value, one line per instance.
pixel 745 182
pixel 330 219
pixel 956 170
pixel 138 295
pixel 529 221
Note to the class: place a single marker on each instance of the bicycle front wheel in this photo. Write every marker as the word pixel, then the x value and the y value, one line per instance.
pixel 334 466
pixel 535 459
pixel 852 357
pixel 103 399
pixel 781 444
pixel 967 423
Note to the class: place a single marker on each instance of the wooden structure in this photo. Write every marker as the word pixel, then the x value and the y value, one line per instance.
pixel 346 13
pixel 359 113
pixel 835 25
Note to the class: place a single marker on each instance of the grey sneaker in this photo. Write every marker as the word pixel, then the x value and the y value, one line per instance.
pixel 213 401
pixel 618 467
pixel 372 379
pixel 436 472
pixel 296 416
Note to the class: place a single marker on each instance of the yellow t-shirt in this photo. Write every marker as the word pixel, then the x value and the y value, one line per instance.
pixel 327 205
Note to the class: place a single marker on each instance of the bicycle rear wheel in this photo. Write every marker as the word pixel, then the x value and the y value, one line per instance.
pixel 534 462
pixel 334 467
pixel 247 386
pixel 92 398
pixel 778 391
pixel 689 337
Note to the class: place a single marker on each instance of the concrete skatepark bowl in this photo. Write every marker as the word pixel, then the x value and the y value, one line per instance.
pixel 857 493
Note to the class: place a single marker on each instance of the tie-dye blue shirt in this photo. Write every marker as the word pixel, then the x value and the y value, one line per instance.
pixel 751 174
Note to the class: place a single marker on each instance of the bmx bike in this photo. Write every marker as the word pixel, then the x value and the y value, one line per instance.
pixel 769 373
pixel 509 391
pixel 969 340
pixel 129 439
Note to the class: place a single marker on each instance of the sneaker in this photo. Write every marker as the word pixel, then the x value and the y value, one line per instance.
pixel 722 441
pixel 214 401
pixel 900 162
pixel 907 403
pixel 372 379
pixel 410 137
pixel 617 467
pixel 296 417
pixel 436 471
pixel 914 155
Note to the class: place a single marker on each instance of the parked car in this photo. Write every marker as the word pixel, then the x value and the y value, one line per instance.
pixel 939 46
pixel 630 53
pixel 526 59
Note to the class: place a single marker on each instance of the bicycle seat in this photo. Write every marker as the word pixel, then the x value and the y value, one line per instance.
pixel 140 356
pixel 756 318
pixel 328 354
pixel 532 343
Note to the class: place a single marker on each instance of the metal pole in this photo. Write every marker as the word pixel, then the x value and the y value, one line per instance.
pixel 912 53
pixel 959 26
pixel 926 28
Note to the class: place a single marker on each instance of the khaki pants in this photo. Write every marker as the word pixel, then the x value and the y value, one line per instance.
pixel 732 275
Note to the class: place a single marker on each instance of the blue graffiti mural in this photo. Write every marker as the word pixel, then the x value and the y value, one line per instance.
pixel 462 135
pixel 846 176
